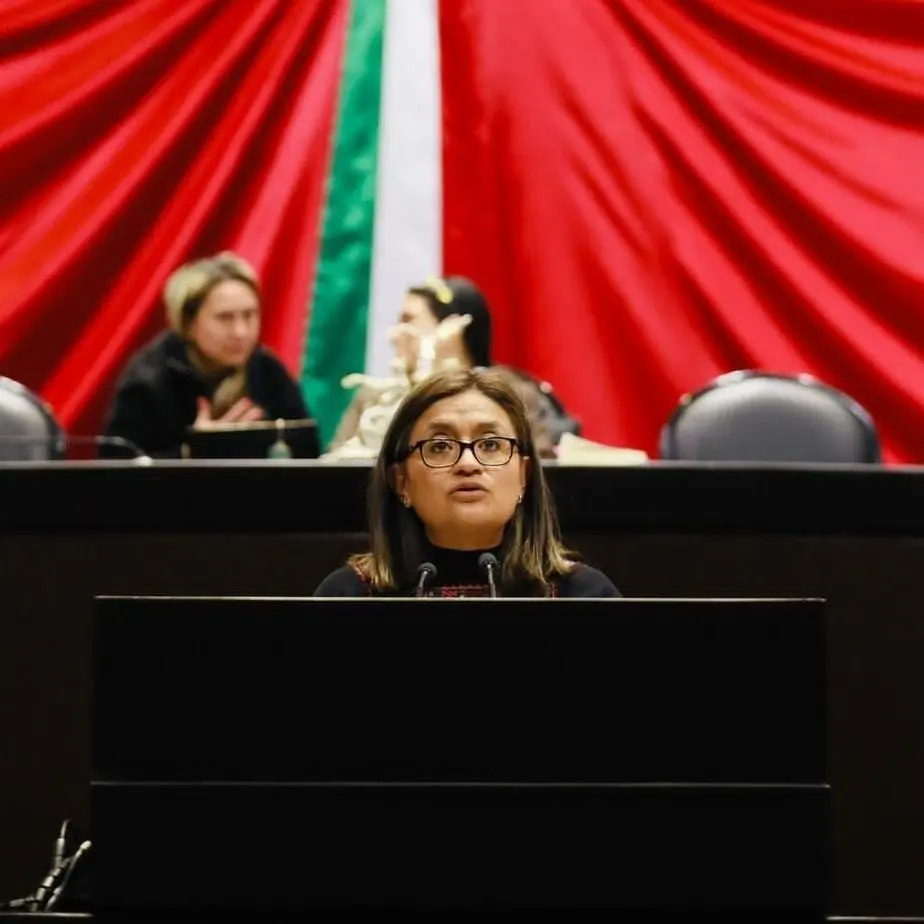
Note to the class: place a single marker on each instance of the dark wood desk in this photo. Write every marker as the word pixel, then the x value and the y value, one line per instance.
pixel 854 536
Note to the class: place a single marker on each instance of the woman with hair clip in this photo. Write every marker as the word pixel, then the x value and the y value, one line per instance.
pixel 207 370
pixel 444 324
pixel 458 502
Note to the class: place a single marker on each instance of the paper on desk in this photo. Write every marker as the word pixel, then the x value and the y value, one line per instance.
pixel 574 450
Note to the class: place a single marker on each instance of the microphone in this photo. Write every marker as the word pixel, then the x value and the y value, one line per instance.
pixel 74 862
pixel 488 563
pixel 425 571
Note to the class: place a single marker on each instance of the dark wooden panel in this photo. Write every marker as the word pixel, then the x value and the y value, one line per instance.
pixel 316 497
pixel 604 691
pixel 657 532
pixel 543 853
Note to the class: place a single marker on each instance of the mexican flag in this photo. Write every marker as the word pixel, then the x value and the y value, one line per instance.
pixel 381 229
pixel 637 189
pixel 495 139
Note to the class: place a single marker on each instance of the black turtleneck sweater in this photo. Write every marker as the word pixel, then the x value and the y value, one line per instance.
pixel 458 575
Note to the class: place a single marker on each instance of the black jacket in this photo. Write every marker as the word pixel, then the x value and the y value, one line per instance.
pixel 156 396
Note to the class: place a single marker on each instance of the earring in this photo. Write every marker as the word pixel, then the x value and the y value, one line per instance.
pixel 519 498
pixel 406 500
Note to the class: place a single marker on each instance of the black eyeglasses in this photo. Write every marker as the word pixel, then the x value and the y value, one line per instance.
pixel 444 452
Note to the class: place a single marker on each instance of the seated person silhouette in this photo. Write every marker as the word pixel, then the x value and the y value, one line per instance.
pixel 208 370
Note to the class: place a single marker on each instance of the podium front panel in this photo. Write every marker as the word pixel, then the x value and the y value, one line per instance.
pixel 467 690
pixel 471 757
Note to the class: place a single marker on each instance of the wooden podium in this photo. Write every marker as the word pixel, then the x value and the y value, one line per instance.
pixel 465 758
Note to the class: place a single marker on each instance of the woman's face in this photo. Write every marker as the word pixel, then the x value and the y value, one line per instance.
pixel 467 503
pixel 416 311
pixel 226 327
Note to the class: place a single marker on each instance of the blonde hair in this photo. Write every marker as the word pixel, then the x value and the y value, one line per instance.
pixel 185 291
pixel 533 553
pixel 187 287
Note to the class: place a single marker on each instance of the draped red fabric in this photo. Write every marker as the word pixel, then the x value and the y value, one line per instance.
pixel 654 192
pixel 139 134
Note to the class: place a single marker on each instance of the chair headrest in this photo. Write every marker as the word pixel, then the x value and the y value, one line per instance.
pixel 764 417
pixel 28 428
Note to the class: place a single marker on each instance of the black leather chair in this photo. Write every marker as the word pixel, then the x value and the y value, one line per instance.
pixel 749 416
pixel 29 431
pixel 553 413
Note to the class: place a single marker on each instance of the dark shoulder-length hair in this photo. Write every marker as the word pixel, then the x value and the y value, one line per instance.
pixel 532 552
pixel 458 295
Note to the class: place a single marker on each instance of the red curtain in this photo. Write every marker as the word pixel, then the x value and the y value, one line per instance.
pixel 140 133
pixel 653 192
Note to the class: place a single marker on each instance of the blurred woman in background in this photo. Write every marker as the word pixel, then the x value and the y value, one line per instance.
pixel 444 324
pixel 209 369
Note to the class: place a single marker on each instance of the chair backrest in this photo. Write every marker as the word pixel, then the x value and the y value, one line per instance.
pixel 553 416
pixel 29 431
pixel 752 416
pixel 558 419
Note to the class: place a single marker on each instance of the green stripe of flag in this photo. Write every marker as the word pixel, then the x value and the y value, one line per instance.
pixel 336 343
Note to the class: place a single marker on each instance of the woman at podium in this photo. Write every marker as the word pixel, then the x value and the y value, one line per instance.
pixel 209 369
pixel 459 506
